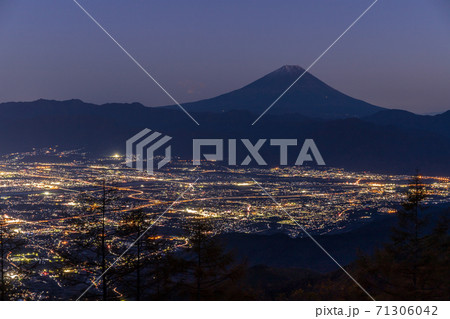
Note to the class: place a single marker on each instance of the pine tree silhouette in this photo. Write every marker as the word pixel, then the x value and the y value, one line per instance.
pixel 414 265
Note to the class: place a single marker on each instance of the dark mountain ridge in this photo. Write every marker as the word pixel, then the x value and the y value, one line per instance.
pixel 355 144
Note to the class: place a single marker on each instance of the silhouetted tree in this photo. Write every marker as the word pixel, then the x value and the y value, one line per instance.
pixel 144 257
pixel 90 239
pixel 209 271
pixel 414 265
pixel 132 226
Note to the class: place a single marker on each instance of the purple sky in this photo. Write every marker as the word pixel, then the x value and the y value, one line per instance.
pixel 397 56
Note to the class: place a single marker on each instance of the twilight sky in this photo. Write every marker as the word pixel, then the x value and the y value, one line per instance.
pixel 397 56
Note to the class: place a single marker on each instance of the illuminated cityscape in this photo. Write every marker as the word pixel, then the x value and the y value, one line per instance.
pixel 40 199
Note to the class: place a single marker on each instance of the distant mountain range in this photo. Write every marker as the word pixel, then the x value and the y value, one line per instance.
pixel 349 133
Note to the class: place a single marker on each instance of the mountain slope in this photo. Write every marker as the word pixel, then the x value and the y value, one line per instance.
pixel 279 250
pixel 309 96
pixel 439 124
